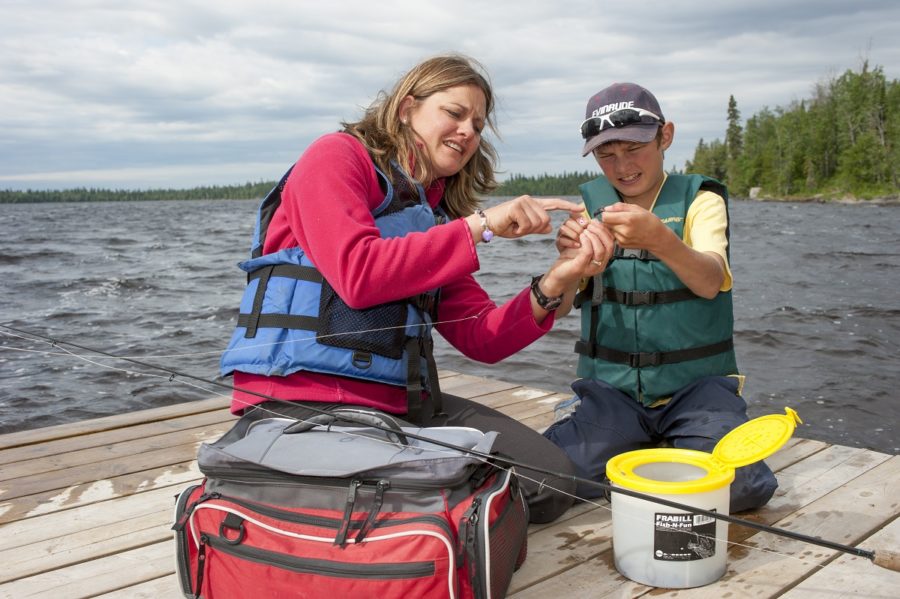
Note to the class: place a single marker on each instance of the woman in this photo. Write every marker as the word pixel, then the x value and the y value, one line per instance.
pixel 368 242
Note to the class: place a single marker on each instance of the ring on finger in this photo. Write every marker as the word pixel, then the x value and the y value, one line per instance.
pixel 597 263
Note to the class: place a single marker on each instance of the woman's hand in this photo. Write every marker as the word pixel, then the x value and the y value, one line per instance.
pixel 584 256
pixel 521 216
pixel 589 242
pixel 569 232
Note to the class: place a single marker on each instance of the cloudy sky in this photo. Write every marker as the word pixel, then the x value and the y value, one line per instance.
pixel 153 93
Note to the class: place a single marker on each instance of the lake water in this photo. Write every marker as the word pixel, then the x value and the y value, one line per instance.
pixel 816 299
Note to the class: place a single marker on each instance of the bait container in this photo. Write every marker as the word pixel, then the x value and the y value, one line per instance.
pixel 660 546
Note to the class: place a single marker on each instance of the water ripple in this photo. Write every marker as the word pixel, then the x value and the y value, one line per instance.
pixel 817 321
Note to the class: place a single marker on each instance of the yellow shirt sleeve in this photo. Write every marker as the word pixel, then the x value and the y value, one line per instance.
pixel 704 229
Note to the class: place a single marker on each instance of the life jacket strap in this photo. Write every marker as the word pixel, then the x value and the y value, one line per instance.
pixel 256 318
pixel 290 271
pixel 419 411
pixel 266 211
pixel 633 254
pixel 276 321
pixel 644 359
pixel 647 298
pixel 426 302
pixel 632 298
pixel 413 381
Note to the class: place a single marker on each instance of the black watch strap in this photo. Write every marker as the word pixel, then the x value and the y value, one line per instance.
pixel 547 303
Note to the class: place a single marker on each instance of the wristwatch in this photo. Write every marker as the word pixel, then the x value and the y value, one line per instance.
pixel 547 303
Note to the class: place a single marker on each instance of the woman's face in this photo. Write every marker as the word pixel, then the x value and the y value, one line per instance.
pixel 448 125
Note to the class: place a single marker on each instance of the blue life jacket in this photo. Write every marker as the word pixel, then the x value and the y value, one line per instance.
pixel 291 319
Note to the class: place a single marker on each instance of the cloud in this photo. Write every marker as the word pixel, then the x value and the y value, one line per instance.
pixel 113 93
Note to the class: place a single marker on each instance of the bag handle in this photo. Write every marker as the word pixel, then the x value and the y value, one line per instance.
pixel 352 416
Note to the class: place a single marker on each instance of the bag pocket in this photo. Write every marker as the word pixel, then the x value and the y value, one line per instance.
pixel 185 549
pixel 494 531
pixel 244 549
pixel 379 330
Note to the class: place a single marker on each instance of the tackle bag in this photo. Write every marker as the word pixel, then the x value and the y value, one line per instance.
pixel 314 509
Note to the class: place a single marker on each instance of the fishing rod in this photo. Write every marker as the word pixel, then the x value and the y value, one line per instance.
pixel 884 558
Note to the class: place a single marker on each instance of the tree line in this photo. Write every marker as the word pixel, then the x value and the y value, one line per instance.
pixel 564 184
pixel 84 194
pixel 845 140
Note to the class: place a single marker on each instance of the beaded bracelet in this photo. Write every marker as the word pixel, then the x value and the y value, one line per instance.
pixel 486 233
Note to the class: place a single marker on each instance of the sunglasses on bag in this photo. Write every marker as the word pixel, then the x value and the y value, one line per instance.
pixel 619 118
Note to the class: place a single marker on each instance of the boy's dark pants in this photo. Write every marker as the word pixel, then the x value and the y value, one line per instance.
pixel 608 422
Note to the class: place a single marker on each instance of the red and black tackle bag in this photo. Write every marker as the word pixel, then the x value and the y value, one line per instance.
pixel 314 509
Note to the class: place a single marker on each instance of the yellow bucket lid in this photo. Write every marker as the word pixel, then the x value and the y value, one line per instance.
pixel 628 470
pixel 752 441
pixel 756 440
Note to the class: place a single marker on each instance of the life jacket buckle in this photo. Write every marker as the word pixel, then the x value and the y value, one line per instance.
pixel 642 359
pixel 362 360
pixel 640 298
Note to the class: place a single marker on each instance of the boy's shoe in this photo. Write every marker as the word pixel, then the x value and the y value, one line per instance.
pixel 565 408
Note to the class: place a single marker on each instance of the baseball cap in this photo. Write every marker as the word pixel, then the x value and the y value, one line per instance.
pixel 620 112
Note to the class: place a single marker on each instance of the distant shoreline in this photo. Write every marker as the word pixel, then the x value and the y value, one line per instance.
pixel 848 199
pixel 880 201
pixel 256 191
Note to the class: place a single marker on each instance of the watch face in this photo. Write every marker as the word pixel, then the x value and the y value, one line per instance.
pixel 552 303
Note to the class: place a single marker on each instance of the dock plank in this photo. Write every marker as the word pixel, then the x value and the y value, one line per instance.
pixel 79 495
pixel 98 471
pixel 58 525
pixel 102 575
pixel 108 437
pixel 166 586
pixel 99 455
pixel 85 545
pixel 854 576
pixel 555 550
pixel 96 425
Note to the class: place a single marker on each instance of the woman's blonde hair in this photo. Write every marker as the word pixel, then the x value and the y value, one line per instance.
pixel 386 138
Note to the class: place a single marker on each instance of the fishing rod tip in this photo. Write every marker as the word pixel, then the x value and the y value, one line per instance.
pixel 887 559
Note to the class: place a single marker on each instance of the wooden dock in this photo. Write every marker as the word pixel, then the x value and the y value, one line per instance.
pixel 85 511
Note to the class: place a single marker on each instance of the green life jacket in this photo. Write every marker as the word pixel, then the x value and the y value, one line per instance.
pixel 642 330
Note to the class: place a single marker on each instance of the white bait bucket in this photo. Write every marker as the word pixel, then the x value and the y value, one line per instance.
pixel 660 546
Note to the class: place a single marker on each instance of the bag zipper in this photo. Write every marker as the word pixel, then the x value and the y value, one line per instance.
pixel 333 523
pixel 478 530
pixel 275 477
pixel 323 567
pixel 182 551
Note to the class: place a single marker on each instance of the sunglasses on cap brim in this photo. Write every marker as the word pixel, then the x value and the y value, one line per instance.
pixel 619 118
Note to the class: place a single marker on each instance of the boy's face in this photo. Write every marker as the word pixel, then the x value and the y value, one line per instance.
pixel 635 169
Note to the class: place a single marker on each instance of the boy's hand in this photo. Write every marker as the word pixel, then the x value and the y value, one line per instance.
pixel 634 227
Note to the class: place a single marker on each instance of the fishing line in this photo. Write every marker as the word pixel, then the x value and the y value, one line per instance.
pixel 884 558
pixel 446 451
pixel 64 352
pixel 312 338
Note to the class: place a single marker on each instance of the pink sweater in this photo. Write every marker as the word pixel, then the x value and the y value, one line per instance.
pixel 326 210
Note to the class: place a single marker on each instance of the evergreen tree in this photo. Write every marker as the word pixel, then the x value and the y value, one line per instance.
pixel 845 139
pixel 709 159
pixel 734 140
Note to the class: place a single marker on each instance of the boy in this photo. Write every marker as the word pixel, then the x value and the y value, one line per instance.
pixel 656 361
